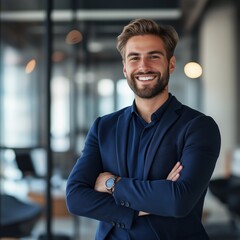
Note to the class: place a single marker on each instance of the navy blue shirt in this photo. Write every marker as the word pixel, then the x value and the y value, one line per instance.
pixel 140 134
pixel 139 137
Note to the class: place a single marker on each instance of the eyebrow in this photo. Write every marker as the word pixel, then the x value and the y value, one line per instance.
pixel 156 52
pixel 149 53
pixel 132 54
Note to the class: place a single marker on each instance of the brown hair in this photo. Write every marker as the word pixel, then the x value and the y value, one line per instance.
pixel 144 27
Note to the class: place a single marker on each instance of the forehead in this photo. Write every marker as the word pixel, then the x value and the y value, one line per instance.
pixel 144 44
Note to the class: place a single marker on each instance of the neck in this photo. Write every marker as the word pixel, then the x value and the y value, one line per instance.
pixel 146 107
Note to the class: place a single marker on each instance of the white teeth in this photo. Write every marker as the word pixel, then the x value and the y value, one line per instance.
pixel 145 78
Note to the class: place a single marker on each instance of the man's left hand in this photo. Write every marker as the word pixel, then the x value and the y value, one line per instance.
pixel 100 182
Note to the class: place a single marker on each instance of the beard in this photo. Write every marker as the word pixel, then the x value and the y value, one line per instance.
pixel 149 91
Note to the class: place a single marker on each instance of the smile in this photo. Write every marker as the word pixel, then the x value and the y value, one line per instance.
pixel 145 78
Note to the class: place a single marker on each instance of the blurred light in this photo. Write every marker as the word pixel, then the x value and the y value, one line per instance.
pixel 11 56
pixel 123 87
pixel 105 87
pixel 95 47
pixel 92 14
pixel 9 155
pixel 58 56
pixel 73 37
pixel 30 66
pixel 125 95
pixel 193 70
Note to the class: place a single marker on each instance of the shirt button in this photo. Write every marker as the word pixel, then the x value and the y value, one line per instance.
pixel 122 225
pixel 113 223
pixel 122 203
pixel 127 204
pixel 118 225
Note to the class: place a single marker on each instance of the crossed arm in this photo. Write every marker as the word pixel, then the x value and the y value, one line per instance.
pixel 102 178
pixel 86 194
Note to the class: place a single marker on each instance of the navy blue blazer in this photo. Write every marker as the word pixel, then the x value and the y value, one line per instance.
pixel 183 134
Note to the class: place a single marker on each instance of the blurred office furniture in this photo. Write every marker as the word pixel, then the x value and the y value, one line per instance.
pixel 35 179
pixel 26 187
pixel 226 190
pixel 25 163
pixel 222 188
pixel 17 217
pixel 29 167
pixel 36 193
pixel 233 205
pixel 31 162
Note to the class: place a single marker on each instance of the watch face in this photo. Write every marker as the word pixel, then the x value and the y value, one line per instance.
pixel 110 183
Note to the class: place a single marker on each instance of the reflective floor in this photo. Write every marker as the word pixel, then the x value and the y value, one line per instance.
pixel 216 221
pixel 75 229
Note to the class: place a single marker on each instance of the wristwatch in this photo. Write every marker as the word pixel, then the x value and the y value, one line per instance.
pixel 110 183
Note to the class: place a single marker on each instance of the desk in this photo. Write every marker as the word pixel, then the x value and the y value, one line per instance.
pixel 35 190
pixel 59 208
pixel 37 193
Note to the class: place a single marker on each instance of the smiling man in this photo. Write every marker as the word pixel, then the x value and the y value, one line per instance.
pixel 145 169
pixel 146 66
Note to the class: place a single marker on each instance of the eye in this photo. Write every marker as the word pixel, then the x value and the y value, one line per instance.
pixel 154 56
pixel 134 58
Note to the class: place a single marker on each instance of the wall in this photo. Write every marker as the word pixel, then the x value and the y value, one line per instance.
pixel 218 54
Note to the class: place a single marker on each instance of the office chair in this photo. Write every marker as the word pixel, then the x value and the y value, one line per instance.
pixel 233 205
pixel 222 187
pixel 227 191
pixel 24 163
pixel 17 217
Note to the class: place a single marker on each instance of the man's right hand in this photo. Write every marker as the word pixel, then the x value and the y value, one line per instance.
pixel 175 173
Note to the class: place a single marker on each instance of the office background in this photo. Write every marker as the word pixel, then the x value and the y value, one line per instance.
pixel 60 70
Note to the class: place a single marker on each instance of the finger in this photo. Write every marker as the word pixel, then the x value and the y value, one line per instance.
pixel 141 213
pixel 174 169
pixel 175 173
pixel 176 177
pixel 178 170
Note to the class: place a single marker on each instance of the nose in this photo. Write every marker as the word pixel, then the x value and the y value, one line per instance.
pixel 143 65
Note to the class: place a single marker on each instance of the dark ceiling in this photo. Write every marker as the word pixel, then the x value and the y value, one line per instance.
pixel 99 21
pixel 8 5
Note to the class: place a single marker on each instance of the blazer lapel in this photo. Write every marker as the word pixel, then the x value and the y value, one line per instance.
pixel 122 141
pixel 168 119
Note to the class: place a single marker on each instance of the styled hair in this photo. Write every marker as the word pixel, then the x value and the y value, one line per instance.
pixel 140 27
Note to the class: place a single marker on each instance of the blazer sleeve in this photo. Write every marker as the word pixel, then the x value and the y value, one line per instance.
pixel 162 197
pixel 82 199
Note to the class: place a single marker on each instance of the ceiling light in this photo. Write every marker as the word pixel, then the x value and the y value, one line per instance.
pixel 73 37
pixel 193 70
pixel 58 56
pixel 30 66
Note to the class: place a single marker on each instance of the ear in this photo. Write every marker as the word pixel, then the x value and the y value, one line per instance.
pixel 172 64
pixel 124 69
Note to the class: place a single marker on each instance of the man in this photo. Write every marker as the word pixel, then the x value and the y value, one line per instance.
pixel 145 169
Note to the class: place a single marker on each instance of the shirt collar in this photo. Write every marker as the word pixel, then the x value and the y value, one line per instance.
pixel 158 113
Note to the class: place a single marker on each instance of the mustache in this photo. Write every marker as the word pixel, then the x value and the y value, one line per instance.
pixel 144 73
pixel 133 75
